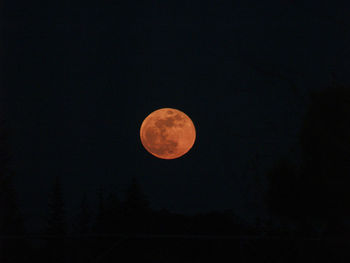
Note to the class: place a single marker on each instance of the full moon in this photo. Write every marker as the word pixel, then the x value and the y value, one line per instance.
pixel 167 133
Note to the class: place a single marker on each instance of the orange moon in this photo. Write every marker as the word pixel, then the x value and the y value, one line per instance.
pixel 167 133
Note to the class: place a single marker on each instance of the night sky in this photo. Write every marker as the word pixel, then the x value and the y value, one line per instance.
pixel 80 79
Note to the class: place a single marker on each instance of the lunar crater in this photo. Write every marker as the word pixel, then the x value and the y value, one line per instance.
pixel 167 133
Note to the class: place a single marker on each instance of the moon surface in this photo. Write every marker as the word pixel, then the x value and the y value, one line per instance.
pixel 167 133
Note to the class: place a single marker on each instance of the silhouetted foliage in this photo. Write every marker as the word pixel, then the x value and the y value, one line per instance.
pixel 100 220
pixel 83 221
pixel 320 190
pixel 81 251
pixel 11 220
pixel 56 224
pixel 4 159
pixel 285 198
pixel 136 206
pixel 282 194
pixel 109 215
pixel 325 144
pixel 113 213
pixel 56 221
pixel 135 200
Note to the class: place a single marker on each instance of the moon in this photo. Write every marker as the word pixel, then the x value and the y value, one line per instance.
pixel 167 133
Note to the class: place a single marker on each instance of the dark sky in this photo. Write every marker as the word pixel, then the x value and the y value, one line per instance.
pixel 81 77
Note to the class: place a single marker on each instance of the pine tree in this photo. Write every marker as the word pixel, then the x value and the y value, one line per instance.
pixel 5 160
pixel 11 220
pixel 81 251
pixel 56 224
pixel 82 225
pixel 113 213
pixel 136 201
pixel 101 214
pixel 56 221
pixel 136 208
pixel 109 216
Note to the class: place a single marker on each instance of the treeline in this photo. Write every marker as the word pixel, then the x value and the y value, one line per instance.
pixel 91 233
pixel 134 215
pixel 308 199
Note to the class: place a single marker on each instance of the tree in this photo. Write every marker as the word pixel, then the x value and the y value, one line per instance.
pixel 325 144
pixel 109 215
pixel 81 250
pixel 11 220
pixel 5 162
pixel 136 208
pixel 99 225
pixel 285 198
pixel 11 223
pixel 56 224
pixel 282 192
pixel 82 225
pixel 56 221
pixel 320 190
pixel 113 213
pixel 136 201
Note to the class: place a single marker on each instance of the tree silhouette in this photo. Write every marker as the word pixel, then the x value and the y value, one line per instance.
pixel 113 213
pixel 81 250
pixel 319 190
pixel 284 196
pixel 56 223
pixel 11 220
pixel 9 216
pixel 99 224
pixel 5 160
pixel 135 200
pixel 11 223
pixel 82 225
pixel 109 215
pixel 136 208
pixel 325 144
